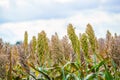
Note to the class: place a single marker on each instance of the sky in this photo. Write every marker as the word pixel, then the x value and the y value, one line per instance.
pixel 33 16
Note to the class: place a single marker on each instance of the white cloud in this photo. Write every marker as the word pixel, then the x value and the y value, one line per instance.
pixel 104 1
pixel 64 1
pixel 4 4
pixel 101 21
pixel 33 28
pixel 22 10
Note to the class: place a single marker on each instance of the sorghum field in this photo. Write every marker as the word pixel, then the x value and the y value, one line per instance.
pixel 83 57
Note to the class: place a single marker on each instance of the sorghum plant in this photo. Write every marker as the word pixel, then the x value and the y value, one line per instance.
pixel 42 47
pixel 56 50
pixel 91 37
pixel 74 40
pixel 26 43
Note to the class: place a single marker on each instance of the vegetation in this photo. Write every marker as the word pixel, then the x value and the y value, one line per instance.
pixel 69 58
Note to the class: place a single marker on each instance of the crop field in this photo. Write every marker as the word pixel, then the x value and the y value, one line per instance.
pixel 73 57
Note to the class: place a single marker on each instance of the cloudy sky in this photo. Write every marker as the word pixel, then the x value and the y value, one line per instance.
pixel 17 16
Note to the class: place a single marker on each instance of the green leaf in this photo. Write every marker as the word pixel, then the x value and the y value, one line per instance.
pixel 71 76
pixel 114 64
pixel 108 76
pixel 40 71
pixel 90 76
pixel 99 65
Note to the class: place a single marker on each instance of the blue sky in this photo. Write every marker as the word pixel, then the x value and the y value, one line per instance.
pixel 17 16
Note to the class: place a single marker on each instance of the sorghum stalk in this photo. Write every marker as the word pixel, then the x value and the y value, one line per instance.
pixel 74 40
pixel 34 44
pixel 26 42
pixel 93 42
pixel 57 50
pixel 84 46
pixel 91 37
pixel 42 47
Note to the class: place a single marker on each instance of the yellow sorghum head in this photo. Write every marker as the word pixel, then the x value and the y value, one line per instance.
pixel 84 44
pixel 91 37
